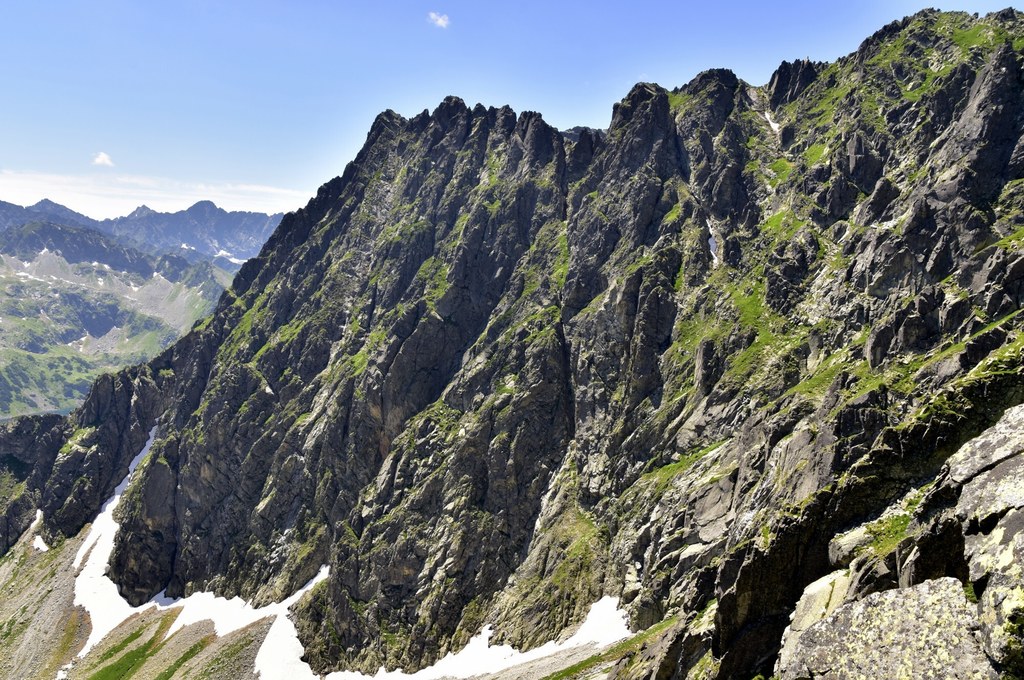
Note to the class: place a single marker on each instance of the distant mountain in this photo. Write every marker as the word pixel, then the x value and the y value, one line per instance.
pixel 59 213
pixel 12 215
pixel 75 302
pixel 76 245
pixel 229 238
pixel 80 296
pixel 204 228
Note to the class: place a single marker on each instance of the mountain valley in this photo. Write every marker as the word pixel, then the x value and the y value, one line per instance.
pixel 76 301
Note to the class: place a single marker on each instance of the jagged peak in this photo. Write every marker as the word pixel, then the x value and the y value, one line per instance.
pixel 641 96
pixel 1005 15
pixel 790 79
pixel 642 92
pixel 387 120
pixel 451 105
pixel 574 133
pixel 450 109
pixel 141 211
pixel 528 119
pixel 889 30
pixel 715 77
pixel 932 25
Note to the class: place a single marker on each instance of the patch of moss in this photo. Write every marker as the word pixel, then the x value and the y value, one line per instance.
pixel 782 226
pixel 1013 653
pixel 817 383
pixel 663 476
pixel 678 100
pixel 888 532
pixel 434 275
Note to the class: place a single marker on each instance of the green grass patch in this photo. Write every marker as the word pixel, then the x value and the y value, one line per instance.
pixel 615 652
pixel 434 275
pixel 782 226
pixel 816 384
pixel 663 476
pixel 781 169
pixel 560 272
pixel 678 100
pixel 169 672
pixel 120 646
pixel 979 35
pixel 814 153
pixel 888 532
pixel 129 663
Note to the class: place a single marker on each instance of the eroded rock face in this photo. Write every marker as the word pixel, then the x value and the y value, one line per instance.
pixel 986 477
pixel 927 631
pixel 495 371
pixel 963 545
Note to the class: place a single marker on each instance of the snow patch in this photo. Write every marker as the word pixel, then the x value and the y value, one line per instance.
pixel 712 244
pixel 268 390
pixel 229 257
pixel 279 656
pixel 93 590
pixel 774 126
pixel 604 625
pixel 228 615
pixel 37 541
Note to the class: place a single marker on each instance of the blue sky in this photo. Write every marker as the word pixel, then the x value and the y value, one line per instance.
pixel 255 104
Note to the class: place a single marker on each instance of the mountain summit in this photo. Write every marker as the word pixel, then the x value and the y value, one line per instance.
pixel 748 361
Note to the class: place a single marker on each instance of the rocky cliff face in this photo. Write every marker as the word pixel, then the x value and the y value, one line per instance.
pixel 699 361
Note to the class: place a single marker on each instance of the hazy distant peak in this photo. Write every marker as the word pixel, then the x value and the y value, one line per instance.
pixel 203 206
pixel 142 211
pixel 47 204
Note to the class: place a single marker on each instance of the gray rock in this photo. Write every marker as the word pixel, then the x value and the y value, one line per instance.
pixel 928 631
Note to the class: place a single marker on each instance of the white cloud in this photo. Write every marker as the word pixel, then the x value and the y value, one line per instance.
pixel 439 20
pixel 110 195
pixel 102 158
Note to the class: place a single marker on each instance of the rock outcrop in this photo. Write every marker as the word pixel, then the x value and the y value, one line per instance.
pixel 921 632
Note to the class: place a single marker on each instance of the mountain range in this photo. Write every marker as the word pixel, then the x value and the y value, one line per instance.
pixel 81 296
pixel 203 229
pixel 748 361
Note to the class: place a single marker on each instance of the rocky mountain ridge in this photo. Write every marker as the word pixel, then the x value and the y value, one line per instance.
pixel 715 361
